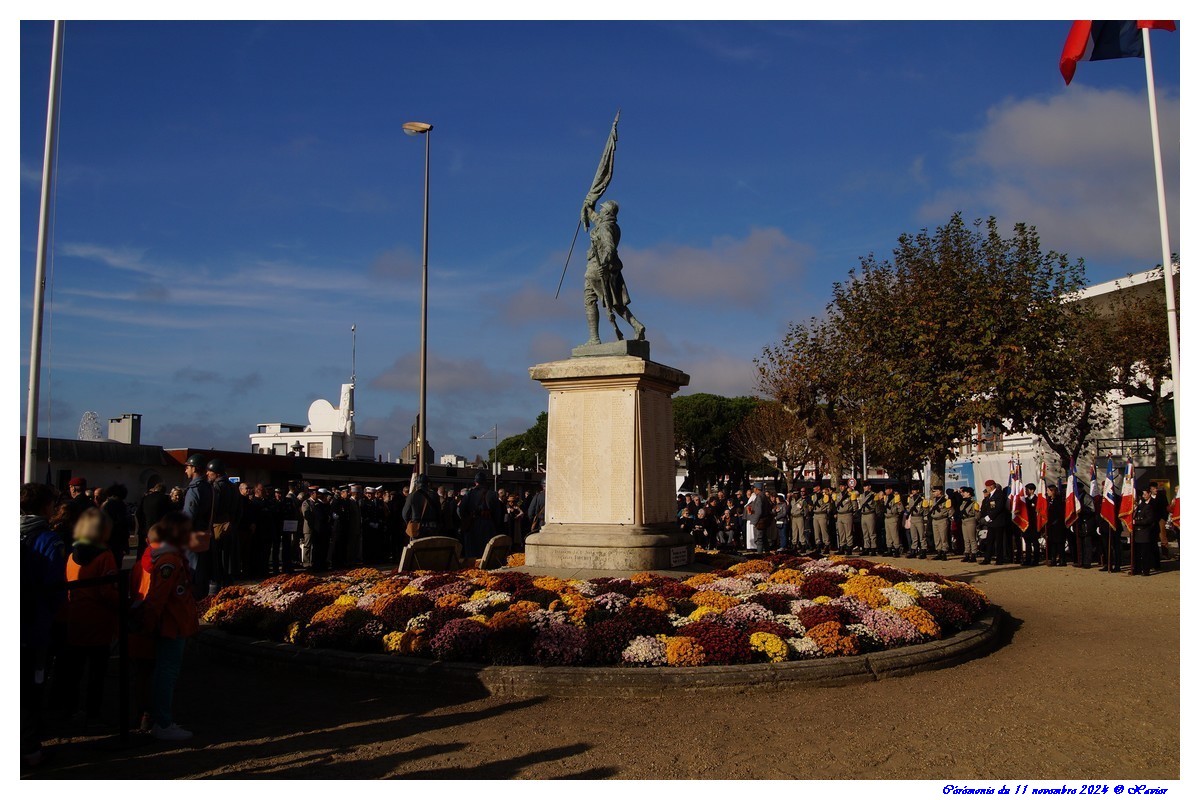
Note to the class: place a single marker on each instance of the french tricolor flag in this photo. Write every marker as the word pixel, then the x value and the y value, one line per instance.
pixel 1108 506
pixel 1102 39
pixel 1071 504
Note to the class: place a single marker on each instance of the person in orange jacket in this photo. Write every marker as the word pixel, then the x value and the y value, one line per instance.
pixel 165 612
pixel 91 615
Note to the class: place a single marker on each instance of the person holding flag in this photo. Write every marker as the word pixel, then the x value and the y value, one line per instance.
pixel 1055 527
pixel 1039 519
pixel 1109 528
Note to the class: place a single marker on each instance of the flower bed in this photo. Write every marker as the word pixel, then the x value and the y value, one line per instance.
pixel 774 609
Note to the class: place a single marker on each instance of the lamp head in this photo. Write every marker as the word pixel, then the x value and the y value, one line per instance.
pixel 416 128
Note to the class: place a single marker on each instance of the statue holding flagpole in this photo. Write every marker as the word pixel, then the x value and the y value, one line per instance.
pixel 603 281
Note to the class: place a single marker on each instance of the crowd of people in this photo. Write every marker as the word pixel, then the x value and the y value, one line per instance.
pixel 183 544
pixel 886 521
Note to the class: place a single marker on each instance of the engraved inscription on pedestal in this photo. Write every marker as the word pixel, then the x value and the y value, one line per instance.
pixel 657 439
pixel 591 463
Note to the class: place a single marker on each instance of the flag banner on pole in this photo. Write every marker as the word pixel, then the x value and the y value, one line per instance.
pixel 1108 506
pixel 1127 498
pixel 1175 509
pixel 604 172
pixel 1094 486
pixel 1020 513
pixel 1104 39
pixel 1071 501
pixel 1042 504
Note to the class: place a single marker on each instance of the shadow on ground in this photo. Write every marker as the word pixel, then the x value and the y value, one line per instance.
pixel 300 726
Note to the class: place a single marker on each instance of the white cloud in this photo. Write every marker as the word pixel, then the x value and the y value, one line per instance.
pixel 123 258
pixel 1078 165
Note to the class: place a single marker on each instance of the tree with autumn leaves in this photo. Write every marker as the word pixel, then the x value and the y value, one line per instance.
pixel 963 325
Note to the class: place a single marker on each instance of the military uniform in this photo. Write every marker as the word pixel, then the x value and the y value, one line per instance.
pixel 799 512
pixel 847 503
pixel 941 510
pixel 822 505
pixel 916 526
pixel 867 508
pixel 893 519
pixel 969 515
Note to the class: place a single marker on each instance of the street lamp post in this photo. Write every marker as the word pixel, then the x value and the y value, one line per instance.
pixel 537 459
pixel 419 129
pixel 494 435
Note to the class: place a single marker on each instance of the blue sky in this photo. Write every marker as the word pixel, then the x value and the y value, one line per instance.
pixel 231 197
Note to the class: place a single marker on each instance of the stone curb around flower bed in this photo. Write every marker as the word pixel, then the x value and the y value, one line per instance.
pixel 525 681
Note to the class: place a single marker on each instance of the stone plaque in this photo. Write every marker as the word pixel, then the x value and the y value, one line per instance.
pixel 679 556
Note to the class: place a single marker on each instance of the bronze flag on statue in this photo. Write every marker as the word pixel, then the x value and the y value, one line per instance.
pixel 604 173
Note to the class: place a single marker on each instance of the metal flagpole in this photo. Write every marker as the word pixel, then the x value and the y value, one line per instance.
pixel 1168 272
pixel 39 282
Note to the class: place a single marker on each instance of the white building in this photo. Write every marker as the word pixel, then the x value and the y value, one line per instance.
pixel 452 460
pixel 330 433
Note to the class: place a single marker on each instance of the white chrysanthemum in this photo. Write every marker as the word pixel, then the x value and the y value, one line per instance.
pixel 419 621
pixel 897 598
pixel 803 647
pixel 791 622
pixel 678 621
pixel 645 651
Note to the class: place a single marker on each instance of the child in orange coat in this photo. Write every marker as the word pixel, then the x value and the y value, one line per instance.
pixel 165 613
pixel 91 615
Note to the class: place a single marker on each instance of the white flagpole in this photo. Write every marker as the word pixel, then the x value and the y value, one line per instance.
pixel 1168 272
pixel 39 281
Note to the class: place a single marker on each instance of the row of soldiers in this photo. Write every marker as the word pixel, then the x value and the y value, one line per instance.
pixel 887 523
pixel 825 520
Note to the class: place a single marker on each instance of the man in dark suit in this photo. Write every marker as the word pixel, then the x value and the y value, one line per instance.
pixel 995 517
pixel 1031 555
pixel 1056 528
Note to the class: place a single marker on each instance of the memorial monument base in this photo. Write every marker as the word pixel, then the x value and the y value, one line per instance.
pixel 610 465
pixel 612 547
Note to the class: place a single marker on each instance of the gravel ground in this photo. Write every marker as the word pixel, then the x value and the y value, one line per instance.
pixel 1085 686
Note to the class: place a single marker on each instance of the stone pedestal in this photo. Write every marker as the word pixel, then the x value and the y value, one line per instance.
pixel 610 466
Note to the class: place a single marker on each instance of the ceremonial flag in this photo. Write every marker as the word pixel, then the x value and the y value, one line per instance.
pixel 1108 506
pixel 604 172
pixel 1071 501
pixel 1020 514
pixel 1175 509
pixel 1094 486
pixel 1103 39
pixel 1127 498
pixel 1042 504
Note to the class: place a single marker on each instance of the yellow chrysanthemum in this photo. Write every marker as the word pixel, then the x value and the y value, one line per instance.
pixel 702 612
pixel 346 600
pixel 696 581
pixel 908 589
pixel 773 647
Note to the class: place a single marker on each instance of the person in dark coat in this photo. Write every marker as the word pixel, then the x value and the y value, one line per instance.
pixel 423 506
pixel 995 517
pixel 43 591
pixel 118 513
pixel 154 505
pixel 1056 528
pixel 537 512
pixel 1145 534
pixel 481 515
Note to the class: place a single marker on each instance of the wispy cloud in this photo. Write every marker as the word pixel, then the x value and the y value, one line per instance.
pixel 737 272
pixel 124 258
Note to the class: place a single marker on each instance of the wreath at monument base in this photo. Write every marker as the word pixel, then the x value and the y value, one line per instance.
pixel 773 609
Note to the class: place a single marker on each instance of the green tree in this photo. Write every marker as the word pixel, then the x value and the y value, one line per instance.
pixel 524 450
pixel 704 426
